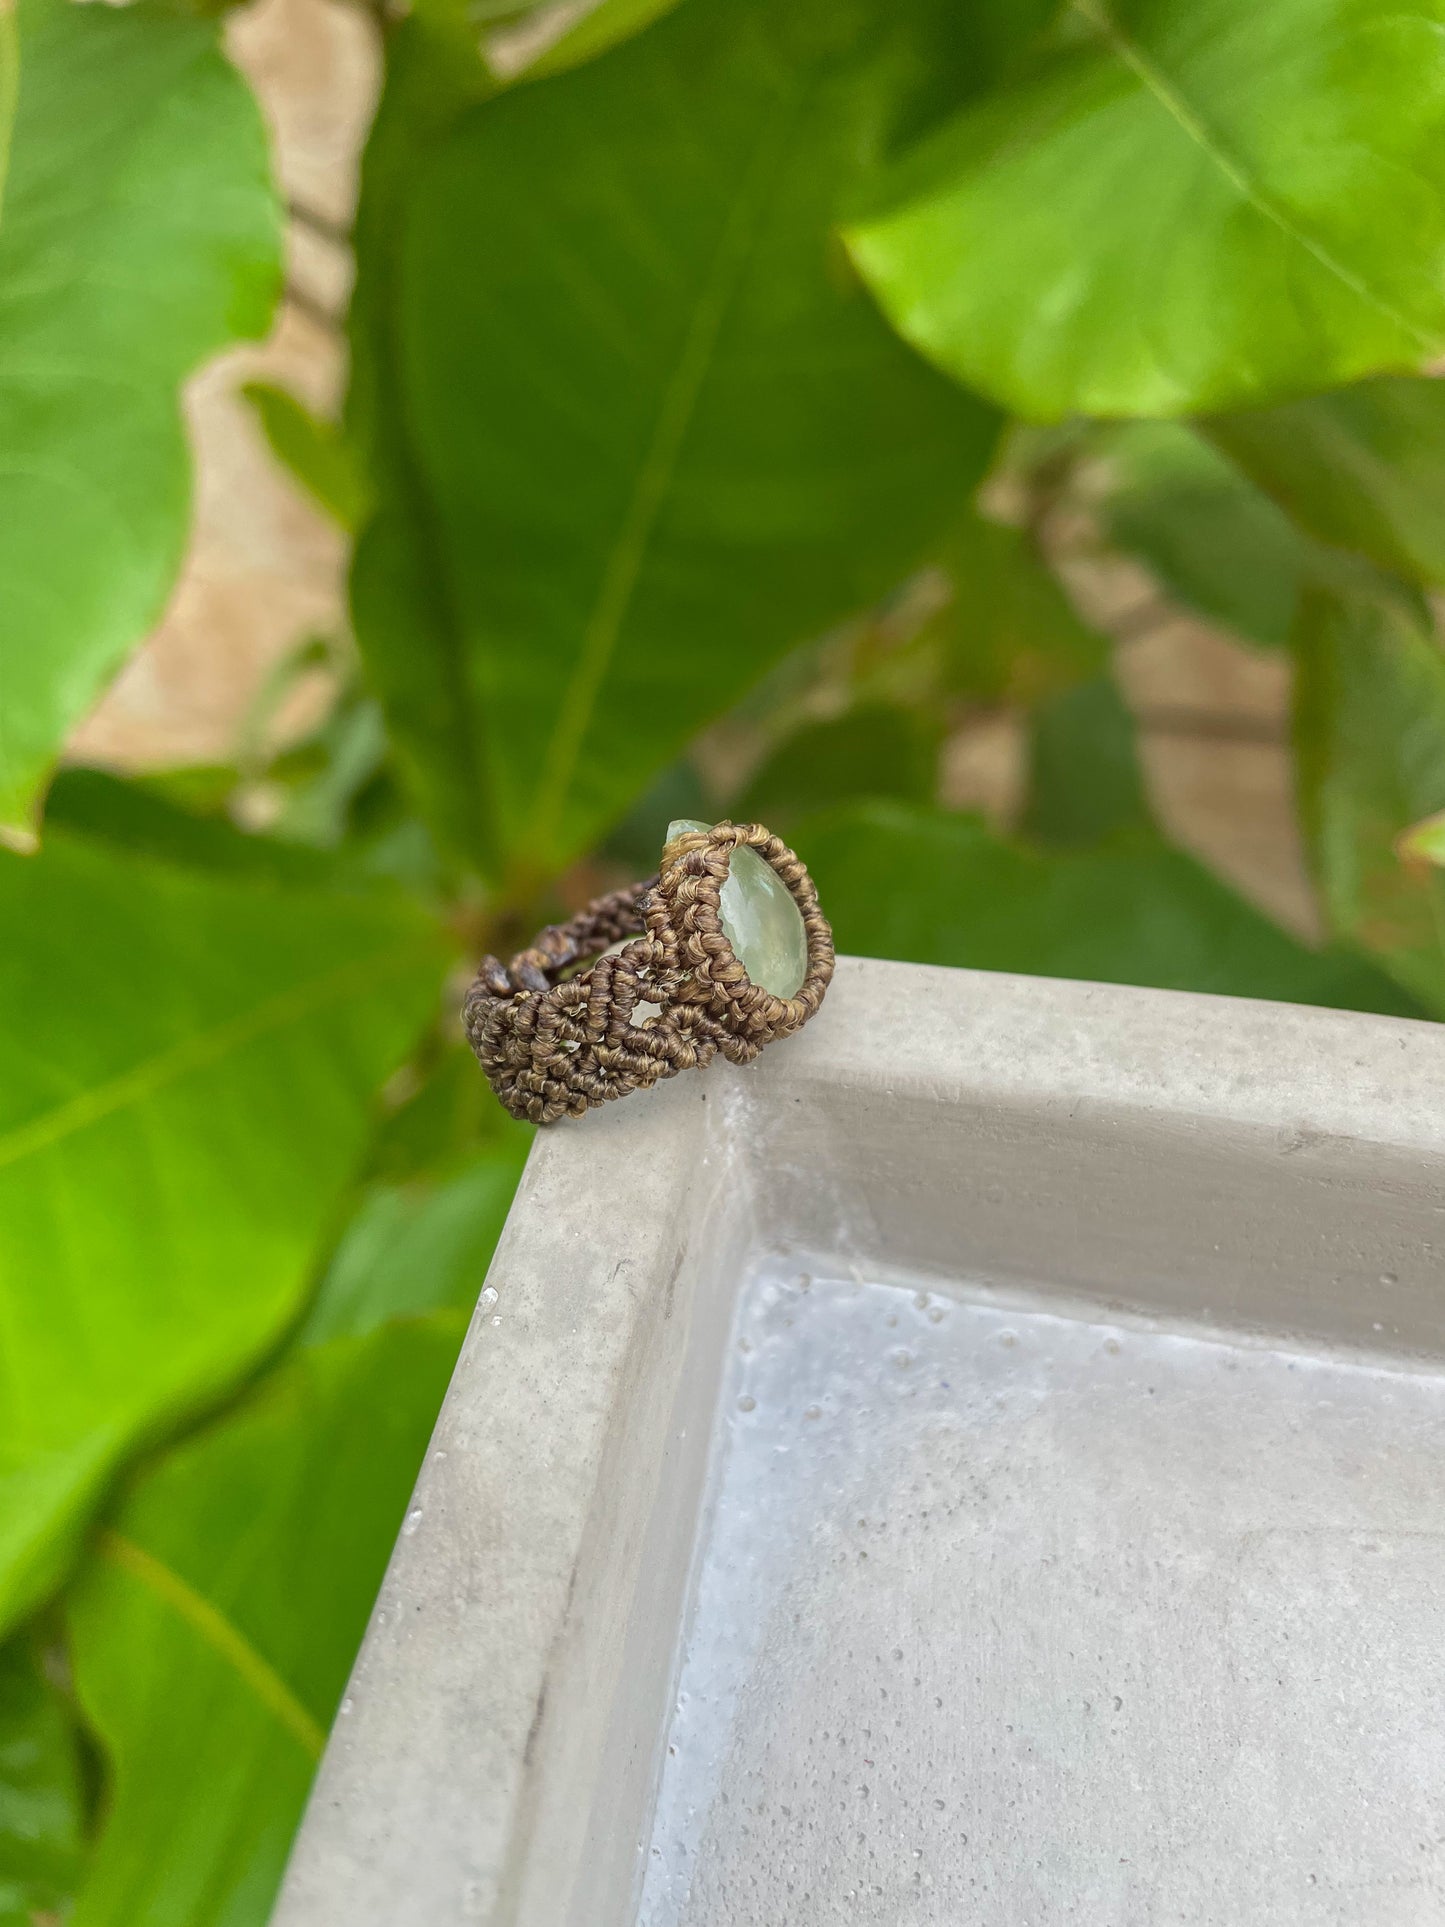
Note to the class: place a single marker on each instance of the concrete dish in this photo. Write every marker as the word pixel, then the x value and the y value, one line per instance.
pixel 984 1462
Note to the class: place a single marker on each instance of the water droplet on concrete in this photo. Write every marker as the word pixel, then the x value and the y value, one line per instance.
pixel 489 1297
pixel 412 1521
pixel 747 1403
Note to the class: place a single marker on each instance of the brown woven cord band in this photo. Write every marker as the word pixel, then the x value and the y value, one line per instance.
pixel 554 1045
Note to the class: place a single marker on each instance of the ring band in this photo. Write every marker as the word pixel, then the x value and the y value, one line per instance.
pixel 554 1045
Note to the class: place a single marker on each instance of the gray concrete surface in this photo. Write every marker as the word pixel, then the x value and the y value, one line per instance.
pixel 1136 1563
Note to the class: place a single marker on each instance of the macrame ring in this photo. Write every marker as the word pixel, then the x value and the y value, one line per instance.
pixel 555 1044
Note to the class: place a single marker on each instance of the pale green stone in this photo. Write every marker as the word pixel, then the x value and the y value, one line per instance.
pixel 759 919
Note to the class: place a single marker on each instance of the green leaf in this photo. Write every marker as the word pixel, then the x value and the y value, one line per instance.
pixel 930 887
pixel 1362 468
pixel 430 80
pixel 448 1115
pixel 1010 633
pixel 214 1627
pixel 662 433
pixel 313 451
pixel 873 750
pixel 186 1072
pixel 41 1811
pixel 139 233
pixel 1085 783
pixel 400 603
pixel 636 841
pixel 137 815
pixel 1424 841
pixel 418 1247
pixel 403 627
pixel 205 789
pixel 440 1173
pixel 339 827
pixel 1217 543
pixel 598 29
pixel 329 772
pixel 9 90
pixel 1194 204
pixel 1370 744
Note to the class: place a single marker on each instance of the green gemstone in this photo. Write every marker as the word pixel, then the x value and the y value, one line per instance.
pixel 759 919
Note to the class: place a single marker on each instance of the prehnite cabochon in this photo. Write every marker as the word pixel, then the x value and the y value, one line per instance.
pixel 759 919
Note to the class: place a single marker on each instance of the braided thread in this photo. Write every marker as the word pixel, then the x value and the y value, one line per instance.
pixel 555 1045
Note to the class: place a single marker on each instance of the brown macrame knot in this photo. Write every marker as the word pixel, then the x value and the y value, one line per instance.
pixel 553 1044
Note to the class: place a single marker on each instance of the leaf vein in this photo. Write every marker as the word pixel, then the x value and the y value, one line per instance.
pixel 224 1638
pixel 194 1053
pixel 1156 83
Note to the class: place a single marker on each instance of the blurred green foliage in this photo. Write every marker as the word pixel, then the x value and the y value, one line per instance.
pixel 138 234
pixel 737 392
